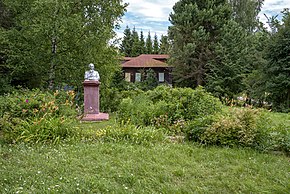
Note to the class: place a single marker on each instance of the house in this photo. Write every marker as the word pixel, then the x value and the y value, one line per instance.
pixel 135 68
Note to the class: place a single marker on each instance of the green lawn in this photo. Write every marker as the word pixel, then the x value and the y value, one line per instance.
pixel 127 168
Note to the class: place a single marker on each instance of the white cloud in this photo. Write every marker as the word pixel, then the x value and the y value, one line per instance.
pixel 154 10
pixel 272 8
pixel 275 5
pixel 152 15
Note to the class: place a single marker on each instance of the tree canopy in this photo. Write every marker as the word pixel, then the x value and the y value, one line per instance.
pixel 53 41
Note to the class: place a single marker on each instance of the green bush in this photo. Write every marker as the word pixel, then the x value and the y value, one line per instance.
pixel 168 107
pixel 37 116
pixel 112 97
pixel 194 129
pixel 274 136
pixel 138 111
pixel 237 127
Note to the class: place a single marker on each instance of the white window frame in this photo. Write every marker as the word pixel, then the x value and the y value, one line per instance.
pixel 137 75
pixel 127 77
pixel 161 77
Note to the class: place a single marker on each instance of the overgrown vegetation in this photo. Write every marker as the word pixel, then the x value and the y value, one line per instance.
pixel 142 118
pixel 200 117
pixel 159 140
pixel 222 45
pixel 172 104
pixel 37 117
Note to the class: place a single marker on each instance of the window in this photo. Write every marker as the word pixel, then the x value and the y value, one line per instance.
pixel 137 77
pixel 128 77
pixel 161 77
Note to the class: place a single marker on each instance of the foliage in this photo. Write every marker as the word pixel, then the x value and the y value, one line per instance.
pixel 245 13
pixel 148 44
pixel 37 117
pixel 275 132
pixel 135 44
pixel 6 16
pixel 51 42
pixel 195 30
pixel 142 43
pixel 243 127
pixel 126 45
pixel 214 45
pixel 165 106
pixel 150 81
pixel 238 127
pixel 112 96
pixel 276 70
pixel 234 60
pixel 155 45
pixel 164 45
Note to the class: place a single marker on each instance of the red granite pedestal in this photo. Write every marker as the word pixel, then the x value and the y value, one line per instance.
pixel 92 102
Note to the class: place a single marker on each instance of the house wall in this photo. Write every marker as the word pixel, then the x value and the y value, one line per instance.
pixel 165 70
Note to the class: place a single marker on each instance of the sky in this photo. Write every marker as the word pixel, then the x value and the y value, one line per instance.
pixel 152 15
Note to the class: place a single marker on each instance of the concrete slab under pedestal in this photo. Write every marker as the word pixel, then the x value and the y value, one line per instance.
pixel 96 117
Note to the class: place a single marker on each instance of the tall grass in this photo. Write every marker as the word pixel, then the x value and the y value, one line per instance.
pixel 127 168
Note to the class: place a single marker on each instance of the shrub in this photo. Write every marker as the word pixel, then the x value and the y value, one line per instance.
pixel 112 97
pixel 194 129
pixel 274 136
pixel 168 107
pixel 237 127
pixel 39 130
pixel 138 111
pixel 37 116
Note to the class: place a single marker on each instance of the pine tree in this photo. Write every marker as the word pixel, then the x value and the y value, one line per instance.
pixel 155 45
pixel 126 45
pixel 232 63
pixel 245 13
pixel 164 45
pixel 277 69
pixel 142 43
pixel 135 43
pixel 149 47
pixel 195 29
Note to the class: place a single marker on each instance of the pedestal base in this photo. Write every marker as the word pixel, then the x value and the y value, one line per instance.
pixel 96 117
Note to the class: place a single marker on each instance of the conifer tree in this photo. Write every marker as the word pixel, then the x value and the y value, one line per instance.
pixel 155 45
pixel 195 29
pixel 135 43
pixel 149 46
pixel 126 45
pixel 245 13
pixel 277 69
pixel 142 43
pixel 164 45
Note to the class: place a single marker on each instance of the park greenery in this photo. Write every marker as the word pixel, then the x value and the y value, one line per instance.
pixel 194 136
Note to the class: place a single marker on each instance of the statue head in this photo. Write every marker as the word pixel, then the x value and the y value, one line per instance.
pixel 91 66
pixel 92 74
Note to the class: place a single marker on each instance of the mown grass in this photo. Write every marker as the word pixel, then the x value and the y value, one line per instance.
pixel 128 168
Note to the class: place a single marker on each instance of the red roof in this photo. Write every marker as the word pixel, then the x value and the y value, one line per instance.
pixel 147 61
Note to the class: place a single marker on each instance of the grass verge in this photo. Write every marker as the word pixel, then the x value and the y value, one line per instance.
pixel 127 168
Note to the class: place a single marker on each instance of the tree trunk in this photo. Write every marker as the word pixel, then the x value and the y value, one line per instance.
pixel 52 64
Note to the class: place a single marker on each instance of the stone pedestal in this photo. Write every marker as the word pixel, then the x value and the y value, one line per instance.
pixel 92 103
